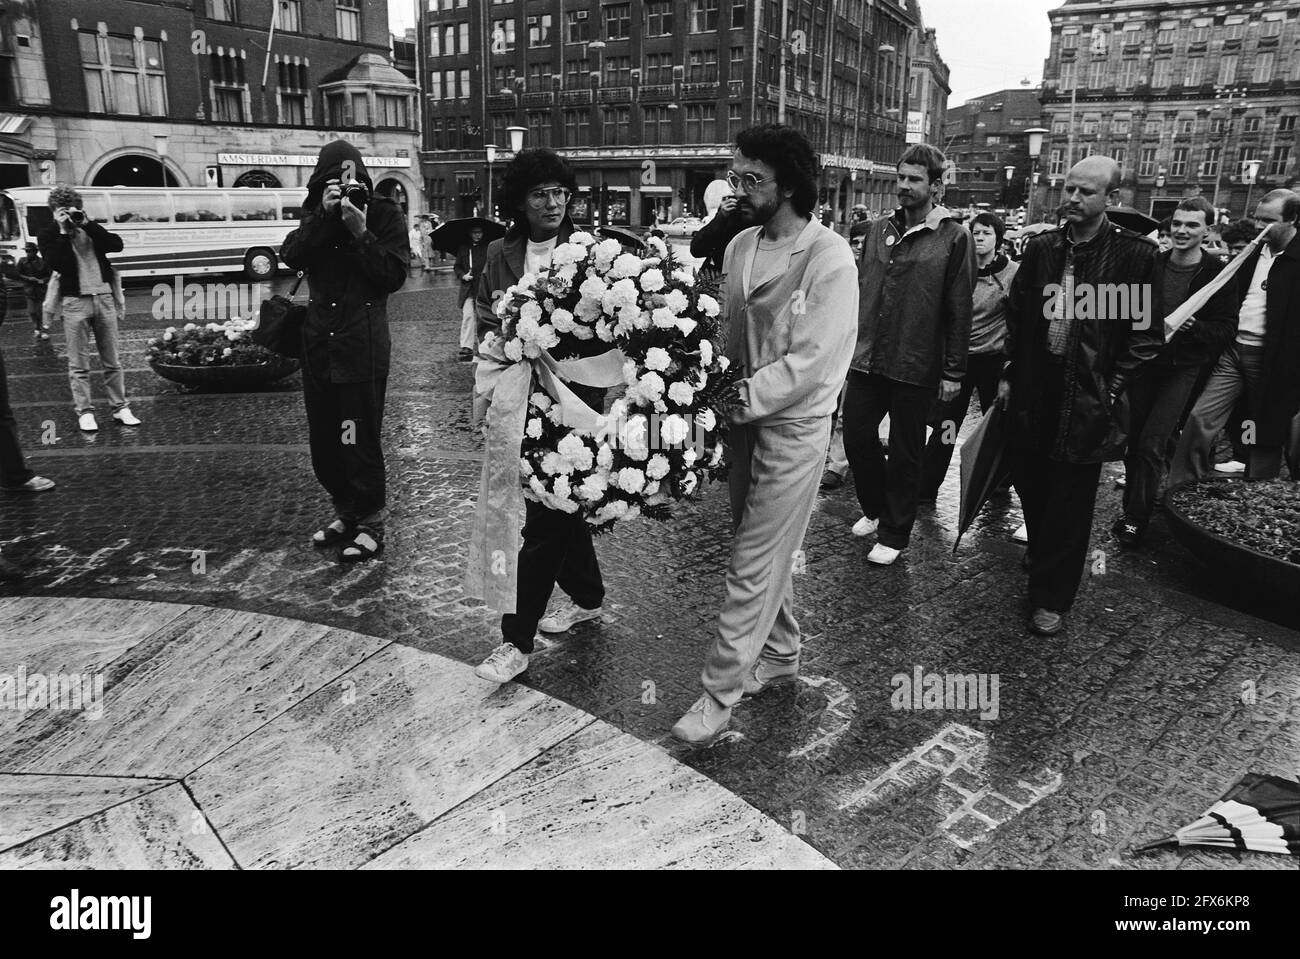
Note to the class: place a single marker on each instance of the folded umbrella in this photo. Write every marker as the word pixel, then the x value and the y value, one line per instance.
pixel 1131 219
pixel 1260 813
pixel 985 466
pixel 454 234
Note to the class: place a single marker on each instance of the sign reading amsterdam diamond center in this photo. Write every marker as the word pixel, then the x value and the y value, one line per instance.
pixel 300 159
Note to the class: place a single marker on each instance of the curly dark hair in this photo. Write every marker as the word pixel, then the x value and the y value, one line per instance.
pixel 529 169
pixel 1239 231
pixel 790 155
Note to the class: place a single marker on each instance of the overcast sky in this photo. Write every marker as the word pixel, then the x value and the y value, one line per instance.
pixel 988 44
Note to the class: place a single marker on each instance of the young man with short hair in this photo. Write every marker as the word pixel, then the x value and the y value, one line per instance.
pixel 1159 392
pixel 917 278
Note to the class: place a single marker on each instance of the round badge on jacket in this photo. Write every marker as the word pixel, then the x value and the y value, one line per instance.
pixel 889 241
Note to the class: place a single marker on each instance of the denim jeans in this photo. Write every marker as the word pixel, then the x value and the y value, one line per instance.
pixel 83 315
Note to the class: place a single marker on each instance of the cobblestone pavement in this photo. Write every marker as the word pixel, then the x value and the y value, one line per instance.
pixel 1168 683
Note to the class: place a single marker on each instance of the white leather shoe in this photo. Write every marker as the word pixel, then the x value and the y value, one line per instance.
pixel 883 555
pixel 87 423
pixel 126 417
pixel 865 527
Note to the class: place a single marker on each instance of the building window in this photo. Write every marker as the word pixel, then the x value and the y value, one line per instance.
pixel 577 27
pixel 738 14
pixel 618 71
pixel 503 36
pixel 539 30
pixel 704 15
pixel 1186 125
pixel 1164 36
pixel 1056 164
pixel 1200 32
pixel 1069 41
pixel 1272 28
pixel 1153 125
pixel 1233 28
pixel 1127 74
pixel 994 139
pixel 703 66
pixel 1160 76
pixel 295 99
pixel 1264 65
pixel 1096 74
pixel 1067 75
pixel 1250 125
pixel 123 75
pixel 576 73
pixel 539 129
pixel 616 125
pixel 462 31
pixel 1060 126
pixel 1218 125
pixel 1120 126
pixel 1210 165
pixel 449 84
pixel 656 124
pixel 435 38
pixel 539 75
pixel 464 84
pixel 735 122
pixel 618 21
pixel 1178 168
pixel 1195 72
pixel 659 68
pixel 1228 69
pixel 435 84
pixel 701 122
pixel 737 69
pixel 1280 160
pixel 1286 124
pixel 290 18
pixel 1147 163
pixel 222 10
pixel 577 129
pixel 347 19
pixel 1120 156
pixel 390 111
pixel 659 18
pixel 1089 129
pixel 228 106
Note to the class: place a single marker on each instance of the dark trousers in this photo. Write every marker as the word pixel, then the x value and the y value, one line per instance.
pixel 1157 399
pixel 888 492
pixel 344 422
pixel 557 549
pixel 13 470
pixel 983 370
pixel 1058 501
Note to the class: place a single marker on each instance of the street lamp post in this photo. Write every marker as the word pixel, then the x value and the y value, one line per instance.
pixel 1010 171
pixel 1249 174
pixel 491 150
pixel 1227 94
pixel 1035 135
pixel 160 144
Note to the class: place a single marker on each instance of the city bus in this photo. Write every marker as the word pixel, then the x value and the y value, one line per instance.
pixel 168 232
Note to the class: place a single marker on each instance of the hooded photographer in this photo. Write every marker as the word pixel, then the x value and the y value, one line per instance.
pixel 353 248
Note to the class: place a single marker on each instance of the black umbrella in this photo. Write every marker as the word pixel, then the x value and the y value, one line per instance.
pixel 626 237
pixel 1131 219
pixel 1260 813
pixel 984 466
pixel 454 234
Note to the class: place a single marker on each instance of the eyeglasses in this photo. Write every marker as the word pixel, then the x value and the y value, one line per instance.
pixel 539 198
pixel 748 181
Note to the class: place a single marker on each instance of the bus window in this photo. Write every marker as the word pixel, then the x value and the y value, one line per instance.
pixel 207 206
pixel 291 206
pixel 252 205
pixel 142 208
pixel 38 218
pixel 8 219
pixel 96 206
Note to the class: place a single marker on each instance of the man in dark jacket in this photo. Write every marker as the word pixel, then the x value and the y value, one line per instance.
pixel 355 253
pixel 1079 324
pixel 1159 392
pixel 469 266
pixel 917 275
pixel 77 248
pixel 35 276
pixel 1263 361
pixel 557 549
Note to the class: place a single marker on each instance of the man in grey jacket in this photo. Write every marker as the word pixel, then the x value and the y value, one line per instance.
pixel 917 274
pixel 790 298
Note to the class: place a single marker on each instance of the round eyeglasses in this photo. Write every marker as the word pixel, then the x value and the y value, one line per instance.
pixel 746 181
pixel 539 198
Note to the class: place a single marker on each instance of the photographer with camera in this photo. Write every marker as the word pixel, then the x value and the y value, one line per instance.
pixel 354 249
pixel 76 248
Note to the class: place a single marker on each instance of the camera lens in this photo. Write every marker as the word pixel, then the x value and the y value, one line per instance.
pixel 77 216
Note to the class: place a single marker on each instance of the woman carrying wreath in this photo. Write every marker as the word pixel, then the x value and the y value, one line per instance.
pixel 557 547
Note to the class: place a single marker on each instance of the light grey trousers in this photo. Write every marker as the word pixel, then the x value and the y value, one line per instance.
pixel 774 477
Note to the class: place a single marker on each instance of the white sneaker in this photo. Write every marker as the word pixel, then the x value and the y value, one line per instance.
pixel 883 555
pixel 504 664
pixel 865 527
pixel 1021 535
pixel 87 423
pixel 1232 466
pixel 564 617
pixel 126 417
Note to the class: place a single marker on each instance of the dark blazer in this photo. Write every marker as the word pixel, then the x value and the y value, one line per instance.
pixel 1210 330
pixel 469 259
pixel 56 249
pixel 1278 400
pixel 1100 357
pixel 345 338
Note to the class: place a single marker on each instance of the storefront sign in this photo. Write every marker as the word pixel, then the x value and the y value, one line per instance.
pixel 300 159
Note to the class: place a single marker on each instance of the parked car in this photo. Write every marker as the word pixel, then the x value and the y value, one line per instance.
pixel 686 226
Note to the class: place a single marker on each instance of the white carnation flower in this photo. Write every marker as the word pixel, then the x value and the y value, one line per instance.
pixel 716 458
pixel 659 246
pixel 634 437
pixel 673 430
pixel 686 325
pixel 651 386
pixel 605 456
pixel 658 467
pixel 537 486
pixel 575 452
pixel 629 372
pixel 583 332
pixel 588 310
pixel 684 276
pixel 561 488
pixel 604 331
pixel 525 283
pixel 593 487
pixel 652 281
pixel 709 305
pixel 532 350
pixel 631 480
pixel 723 363
pixel 626 265
pixel 664 318
pixel 583 237
pixel 548 338
pixel 706 353
pixel 525 466
pixel 514 351
pixel 562 320
pixel 689 456
pixel 707 420
pixel 657 358
pixel 567 254
pixel 689 482
pixel 651 488
pixel 681 394
pixel 534 428
pixel 593 288
pixel 553 464
pixel 531 311
pixel 676 301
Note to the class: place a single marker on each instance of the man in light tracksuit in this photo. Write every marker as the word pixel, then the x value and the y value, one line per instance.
pixel 791 304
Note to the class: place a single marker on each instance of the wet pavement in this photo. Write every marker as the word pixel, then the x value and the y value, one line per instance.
pixel 1169 682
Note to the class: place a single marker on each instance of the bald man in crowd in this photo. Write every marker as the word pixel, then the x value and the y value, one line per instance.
pixel 1079 324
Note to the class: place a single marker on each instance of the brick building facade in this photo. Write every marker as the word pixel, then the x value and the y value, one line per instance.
pixel 103 91
pixel 985 135
pixel 1181 93
pixel 930 89
pixel 645 96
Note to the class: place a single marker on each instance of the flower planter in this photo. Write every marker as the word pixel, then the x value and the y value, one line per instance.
pixel 232 378
pixel 1235 559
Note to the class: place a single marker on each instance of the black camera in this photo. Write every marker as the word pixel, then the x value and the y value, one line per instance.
pixel 357 194
pixel 77 216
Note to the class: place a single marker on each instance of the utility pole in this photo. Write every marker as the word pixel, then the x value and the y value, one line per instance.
pixel 785 40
